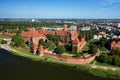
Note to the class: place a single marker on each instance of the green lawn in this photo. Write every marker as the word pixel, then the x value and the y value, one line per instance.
pixel 104 64
pixel 68 54
pixel 3 36
pixel 22 50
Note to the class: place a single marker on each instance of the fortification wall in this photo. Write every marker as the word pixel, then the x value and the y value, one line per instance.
pixel 72 59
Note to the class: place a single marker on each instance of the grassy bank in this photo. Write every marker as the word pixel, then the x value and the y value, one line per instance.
pixel 111 75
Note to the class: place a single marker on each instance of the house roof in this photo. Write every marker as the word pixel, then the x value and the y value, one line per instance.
pixel 61 33
pixel 31 34
pixel 76 41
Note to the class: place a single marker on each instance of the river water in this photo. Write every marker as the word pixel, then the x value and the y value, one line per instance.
pixel 18 68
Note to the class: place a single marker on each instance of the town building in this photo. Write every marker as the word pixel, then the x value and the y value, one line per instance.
pixel 115 43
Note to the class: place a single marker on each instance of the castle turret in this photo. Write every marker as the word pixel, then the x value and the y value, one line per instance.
pixel 34 48
pixel 75 45
pixel 42 28
pixel 65 27
pixel 41 50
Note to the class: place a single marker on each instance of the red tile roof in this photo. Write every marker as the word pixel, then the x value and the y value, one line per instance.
pixel 9 34
pixel 31 34
pixel 61 33
pixel 76 41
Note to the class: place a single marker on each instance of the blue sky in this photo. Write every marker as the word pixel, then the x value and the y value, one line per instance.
pixel 60 9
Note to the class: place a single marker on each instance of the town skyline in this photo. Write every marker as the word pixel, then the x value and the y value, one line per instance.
pixel 79 9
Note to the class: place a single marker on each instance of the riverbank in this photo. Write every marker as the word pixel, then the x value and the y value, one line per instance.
pixel 115 75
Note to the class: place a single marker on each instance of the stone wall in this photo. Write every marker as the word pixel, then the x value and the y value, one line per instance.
pixel 72 59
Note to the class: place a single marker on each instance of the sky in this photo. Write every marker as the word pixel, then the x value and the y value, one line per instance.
pixel 88 9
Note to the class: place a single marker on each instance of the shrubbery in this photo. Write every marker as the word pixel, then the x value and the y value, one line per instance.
pixel 112 58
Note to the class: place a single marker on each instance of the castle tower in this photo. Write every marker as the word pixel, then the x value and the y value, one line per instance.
pixel 41 50
pixel 34 48
pixel 65 27
pixel 75 45
pixel 42 28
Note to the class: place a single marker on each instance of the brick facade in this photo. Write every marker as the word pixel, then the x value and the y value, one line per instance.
pixel 115 44
pixel 72 60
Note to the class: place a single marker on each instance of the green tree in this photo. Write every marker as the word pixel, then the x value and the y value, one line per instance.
pixel 50 46
pixel 102 42
pixel 105 58
pixel 116 60
pixel 115 52
pixel 41 42
pixel 93 48
pixel 60 50
pixel 19 41
pixel 3 41
pixel 49 36
pixel 31 44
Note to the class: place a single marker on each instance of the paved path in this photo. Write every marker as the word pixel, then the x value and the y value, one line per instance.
pixel 6 47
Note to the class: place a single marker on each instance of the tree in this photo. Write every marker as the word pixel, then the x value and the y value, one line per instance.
pixel 41 41
pixel 116 60
pixel 93 48
pixel 115 52
pixel 60 50
pixel 19 41
pixel 68 47
pixel 3 41
pixel 104 58
pixel 50 46
pixel 102 41
pixel 49 36
pixel 80 36
pixel 54 38
pixel 31 44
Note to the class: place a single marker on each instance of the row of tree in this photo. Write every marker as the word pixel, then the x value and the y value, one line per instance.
pixel 12 25
pixel 111 58
pixel 87 34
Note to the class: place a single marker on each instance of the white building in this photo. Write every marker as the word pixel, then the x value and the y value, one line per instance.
pixel 97 37
pixel 118 25
pixel 72 27
pixel 85 28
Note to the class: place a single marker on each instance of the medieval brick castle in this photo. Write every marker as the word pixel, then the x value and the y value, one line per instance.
pixel 67 36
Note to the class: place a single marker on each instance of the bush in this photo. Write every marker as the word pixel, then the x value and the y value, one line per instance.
pixel 19 41
pixel 59 50
pixel 103 49
pixel 116 61
pixel 3 42
pixel 104 58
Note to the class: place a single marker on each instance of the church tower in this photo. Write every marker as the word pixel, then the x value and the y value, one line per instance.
pixel 65 27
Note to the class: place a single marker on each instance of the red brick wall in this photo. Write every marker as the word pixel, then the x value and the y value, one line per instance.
pixel 72 59
pixel 115 45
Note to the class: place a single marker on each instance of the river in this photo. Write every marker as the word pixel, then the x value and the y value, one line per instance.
pixel 18 68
